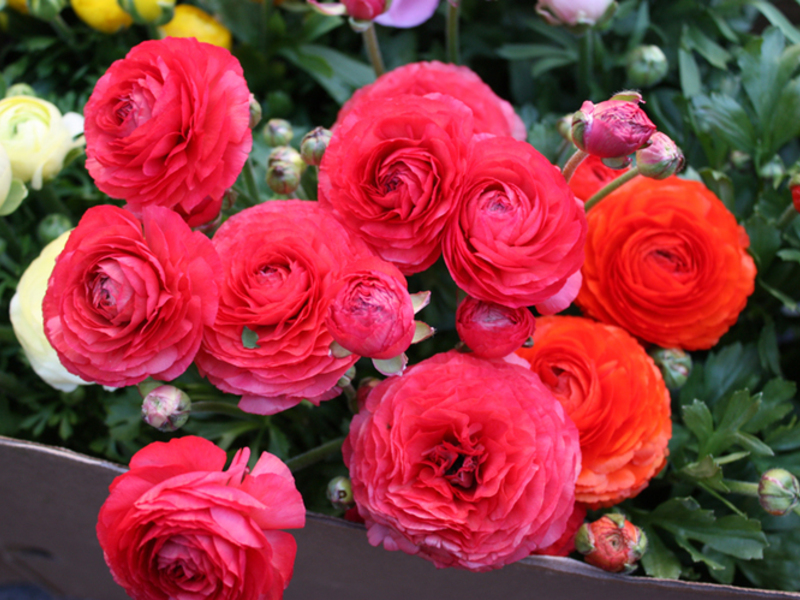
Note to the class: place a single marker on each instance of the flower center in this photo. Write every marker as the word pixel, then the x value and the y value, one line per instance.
pixel 272 276
pixel 456 464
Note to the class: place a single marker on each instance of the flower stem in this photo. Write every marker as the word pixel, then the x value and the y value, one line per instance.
pixel 610 187
pixel 453 10
pixel 787 216
pixel 573 163
pixel 306 459
pixel 250 180
pixel 223 408
pixel 744 488
pixel 585 64
pixel 63 31
pixel 374 50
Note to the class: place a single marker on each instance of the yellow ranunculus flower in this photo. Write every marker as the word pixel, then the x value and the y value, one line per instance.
pixel 102 15
pixel 36 137
pixel 190 21
pixel 28 323
pixel 21 6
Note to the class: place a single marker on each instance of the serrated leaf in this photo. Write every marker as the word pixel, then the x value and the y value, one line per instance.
pixel 765 240
pixel 752 444
pixel 708 48
pixel 249 338
pixel 726 118
pixel 784 124
pixel 724 575
pixel 659 561
pixel 775 405
pixel 696 555
pixel 779 569
pixel 699 421
pixel 732 368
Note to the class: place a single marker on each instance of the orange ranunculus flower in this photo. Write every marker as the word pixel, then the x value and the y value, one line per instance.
pixel 616 396
pixel 666 261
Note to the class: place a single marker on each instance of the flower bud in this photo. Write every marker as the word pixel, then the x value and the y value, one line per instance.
pixel 278 132
pixel 166 408
pixel 611 543
pixel 493 330
pixel 36 137
pixel 283 177
pixel 794 188
pixel 286 154
pixel 778 492
pixel 190 21
pixel 102 15
pixel 365 10
pixel 647 66
pixel 612 128
pixel 564 127
pixel 46 10
pixel 618 163
pixel 675 365
pixel 314 144
pixel 576 12
pixel 660 159
pixel 340 493
pixel 20 89
pixel 152 12
pixel 52 227
pixel 255 112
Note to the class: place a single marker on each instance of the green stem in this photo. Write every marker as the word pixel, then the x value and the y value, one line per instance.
pixel 787 216
pixel 245 196
pixel 301 193
pixel 306 459
pixel 374 50
pixel 453 10
pixel 585 62
pixel 10 237
pixel 223 408
pixel 744 488
pixel 610 187
pixel 250 180
pixel 63 30
pixel 573 163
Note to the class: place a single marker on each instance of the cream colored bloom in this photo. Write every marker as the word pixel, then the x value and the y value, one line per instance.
pixel 36 137
pixel 190 21
pixel 28 323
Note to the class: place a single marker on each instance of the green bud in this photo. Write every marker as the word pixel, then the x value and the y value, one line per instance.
pixel 340 493
pixel 52 226
pixel 166 408
pixel 278 132
pixel 618 162
pixel 564 127
pixel 283 177
pixel 778 491
pixel 660 158
pixel 314 144
pixel 46 10
pixel 675 365
pixel 286 154
pixel 255 112
pixel 20 89
pixel 647 66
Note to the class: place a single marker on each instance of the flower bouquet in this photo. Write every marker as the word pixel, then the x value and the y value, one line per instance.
pixel 296 256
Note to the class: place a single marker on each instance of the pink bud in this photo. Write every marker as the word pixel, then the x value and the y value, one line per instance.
pixel 611 129
pixel 166 408
pixel 370 312
pixel 493 330
pixel 365 10
pixel 575 12
pixel 660 159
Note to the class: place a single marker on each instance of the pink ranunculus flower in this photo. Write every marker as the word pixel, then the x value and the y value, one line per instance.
pixel 168 125
pixel 407 13
pixel 370 311
pixel 573 12
pixel 129 300
pixel 177 526
pixel 612 128
pixel 491 113
pixel 464 461
pixel 492 330
pixel 365 10
pixel 278 260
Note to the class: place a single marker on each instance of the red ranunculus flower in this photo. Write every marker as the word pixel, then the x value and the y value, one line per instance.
pixel 278 260
pixel 370 311
pixel 492 114
pixel 517 235
pixel 465 461
pixel 492 330
pixel 177 526
pixel 591 176
pixel 121 305
pixel 391 174
pixel 168 125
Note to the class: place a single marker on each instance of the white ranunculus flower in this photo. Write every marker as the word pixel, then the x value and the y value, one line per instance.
pixel 28 323
pixel 574 12
pixel 37 138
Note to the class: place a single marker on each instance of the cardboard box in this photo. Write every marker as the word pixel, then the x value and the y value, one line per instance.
pixel 50 497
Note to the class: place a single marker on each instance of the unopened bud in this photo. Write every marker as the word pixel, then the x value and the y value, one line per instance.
pixel 564 126
pixel 618 163
pixel 52 226
pixel 613 128
pixel 774 169
pixel 612 543
pixel 660 159
pixel 365 10
pixel 340 493
pixel 46 10
pixel 255 112
pixel 314 145
pixel 229 198
pixel 166 408
pixel 20 89
pixel 283 177
pixel 278 132
pixel 675 365
pixel 286 154
pixel 153 12
pixel 778 491
pixel 647 65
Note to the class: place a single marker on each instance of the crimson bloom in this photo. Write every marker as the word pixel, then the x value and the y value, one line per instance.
pixel 492 330
pixel 613 128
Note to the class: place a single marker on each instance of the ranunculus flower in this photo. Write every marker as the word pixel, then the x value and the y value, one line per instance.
pixel 392 171
pixel 37 138
pixel 464 461
pixel 622 412
pixel 192 22
pixel 566 543
pixel 591 176
pixel 612 543
pixel 491 113
pixel 26 319
pixel 517 235
pixel 370 311
pixel 177 526
pixel 168 125
pixel 103 15
pixel 492 330
pixel 123 305
pixel 269 343
pixel 667 262
pixel 613 128
pixel 407 13
pixel 573 12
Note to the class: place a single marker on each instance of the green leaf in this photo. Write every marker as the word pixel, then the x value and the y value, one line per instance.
pixel 339 74
pixel 775 404
pixel 249 338
pixel 699 421
pixel 726 118
pixel 278 442
pixel 528 51
pixel 788 302
pixel 765 240
pixel 548 64
pixel 708 48
pixel 789 254
pixel 689 73
pixel 752 444
pixel 768 348
pixel 784 124
pixel 776 17
pixel 728 570
pixel 779 569
pixel 731 368
pixel 316 25
pixel 707 471
pixel 761 73
pixel 722 186
pixel 659 561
